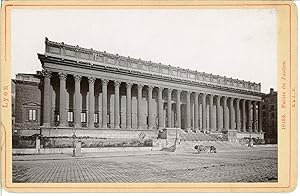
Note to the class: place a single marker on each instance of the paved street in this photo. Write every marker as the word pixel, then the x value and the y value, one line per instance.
pixel 255 165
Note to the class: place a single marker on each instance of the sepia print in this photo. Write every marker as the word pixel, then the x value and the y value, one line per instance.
pixel 145 96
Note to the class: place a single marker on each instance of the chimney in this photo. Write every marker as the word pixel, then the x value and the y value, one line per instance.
pixel 271 90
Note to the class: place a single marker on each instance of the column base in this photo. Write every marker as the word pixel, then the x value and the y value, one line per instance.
pixel 77 126
pixel 63 125
pixel 46 125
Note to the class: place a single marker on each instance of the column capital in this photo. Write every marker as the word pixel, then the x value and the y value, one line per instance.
pixel 104 81
pixel 46 73
pixel 160 88
pixel 179 91
pixel 170 90
pixel 232 99
pixel 117 83
pixel 128 84
pixel 62 75
pixel 91 80
pixel 77 78
pixel 204 94
pixel 197 93
pixel 188 92
pixel 140 86
pixel 150 87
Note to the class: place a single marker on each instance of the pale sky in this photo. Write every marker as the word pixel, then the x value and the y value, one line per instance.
pixel 237 43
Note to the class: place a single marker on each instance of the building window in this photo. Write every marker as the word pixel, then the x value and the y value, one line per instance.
pixel 83 117
pixel 272 107
pixel 96 118
pixel 31 115
pixel 70 116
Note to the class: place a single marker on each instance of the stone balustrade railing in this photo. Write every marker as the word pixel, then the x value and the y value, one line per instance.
pixel 91 56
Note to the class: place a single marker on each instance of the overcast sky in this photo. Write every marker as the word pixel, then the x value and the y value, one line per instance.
pixel 237 43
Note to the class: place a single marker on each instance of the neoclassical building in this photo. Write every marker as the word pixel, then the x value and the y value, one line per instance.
pixel 91 92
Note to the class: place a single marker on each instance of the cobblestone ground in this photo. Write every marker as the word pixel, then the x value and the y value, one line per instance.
pixel 258 165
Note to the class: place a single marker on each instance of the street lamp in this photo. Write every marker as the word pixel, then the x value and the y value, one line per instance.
pixel 250 140
pixel 73 144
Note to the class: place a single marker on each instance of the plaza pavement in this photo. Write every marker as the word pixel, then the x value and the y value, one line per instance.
pixel 258 164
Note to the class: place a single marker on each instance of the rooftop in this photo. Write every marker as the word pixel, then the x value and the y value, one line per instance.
pixel 93 57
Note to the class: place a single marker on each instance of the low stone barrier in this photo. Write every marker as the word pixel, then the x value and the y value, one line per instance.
pixel 83 150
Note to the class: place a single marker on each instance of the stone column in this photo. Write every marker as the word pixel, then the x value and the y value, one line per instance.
pixel 238 115
pixel 260 116
pixel 160 108
pixel 225 114
pixel 117 104
pixel 231 114
pixel 47 99
pixel 211 118
pixel 219 128
pixel 188 110
pixel 150 109
pixel 91 102
pixel 178 110
pixel 204 114
pixel 128 105
pixel 249 117
pixel 139 105
pixel 62 100
pixel 254 117
pixel 104 103
pixel 244 126
pixel 77 105
pixel 196 105
pixel 170 107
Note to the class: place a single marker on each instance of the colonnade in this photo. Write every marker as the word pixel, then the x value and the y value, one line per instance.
pixel 231 113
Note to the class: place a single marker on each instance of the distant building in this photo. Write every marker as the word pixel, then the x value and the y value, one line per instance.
pixel 27 93
pixel 269 110
pixel 13 96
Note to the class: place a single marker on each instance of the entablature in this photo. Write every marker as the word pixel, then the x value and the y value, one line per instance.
pixel 55 64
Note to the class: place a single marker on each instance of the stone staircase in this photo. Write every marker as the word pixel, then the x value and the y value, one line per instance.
pixel 200 137
pixel 220 141
pixel 221 146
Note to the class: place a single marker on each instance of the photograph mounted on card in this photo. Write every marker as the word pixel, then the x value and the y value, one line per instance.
pixel 151 96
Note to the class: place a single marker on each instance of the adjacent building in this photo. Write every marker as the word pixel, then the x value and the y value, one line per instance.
pixel 270 117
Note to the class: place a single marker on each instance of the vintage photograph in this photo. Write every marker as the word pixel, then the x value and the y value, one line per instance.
pixel 144 95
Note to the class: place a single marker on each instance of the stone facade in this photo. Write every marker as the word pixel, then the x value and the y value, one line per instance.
pixel 28 103
pixel 87 91
pixel 269 111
